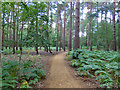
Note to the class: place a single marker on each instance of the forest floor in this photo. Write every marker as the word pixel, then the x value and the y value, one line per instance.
pixel 59 74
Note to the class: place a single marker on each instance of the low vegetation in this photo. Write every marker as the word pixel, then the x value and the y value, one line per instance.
pixel 101 65
pixel 21 74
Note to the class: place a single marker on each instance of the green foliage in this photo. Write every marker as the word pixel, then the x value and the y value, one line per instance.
pixel 103 65
pixel 7 51
pixel 13 72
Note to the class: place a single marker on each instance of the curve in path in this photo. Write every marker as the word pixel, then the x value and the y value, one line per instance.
pixel 60 76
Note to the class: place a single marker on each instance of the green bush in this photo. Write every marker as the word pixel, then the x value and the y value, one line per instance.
pixel 103 65
pixel 13 72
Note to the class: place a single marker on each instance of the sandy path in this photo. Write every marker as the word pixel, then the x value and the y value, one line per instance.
pixel 60 76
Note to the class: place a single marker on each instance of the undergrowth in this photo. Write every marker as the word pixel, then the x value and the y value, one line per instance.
pixel 101 65
pixel 23 74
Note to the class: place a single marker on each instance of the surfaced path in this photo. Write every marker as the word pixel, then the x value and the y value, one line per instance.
pixel 60 75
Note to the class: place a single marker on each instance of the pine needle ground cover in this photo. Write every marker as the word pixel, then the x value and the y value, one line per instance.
pixel 101 65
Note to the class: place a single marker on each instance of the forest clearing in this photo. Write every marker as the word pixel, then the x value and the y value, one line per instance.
pixel 60 44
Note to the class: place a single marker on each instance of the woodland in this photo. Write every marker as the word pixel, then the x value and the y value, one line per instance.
pixel 43 44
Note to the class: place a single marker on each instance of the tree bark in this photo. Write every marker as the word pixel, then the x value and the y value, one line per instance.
pixel 0 38
pixel 88 34
pixel 17 28
pixel 51 27
pixel 82 27
pixel 64 27
pixel 3 26
pixel 61 30
pixel 13 32
pixel 46 47
pixel 97 30
pixel 10 33
pixel 36 47
pixel 7 29
pixel 106 31
pixel 119 30
pixel 21 37
pixel 114 29
pixel 73 24
pixel 57 27
pixel 91 30
pixel 70 32
pixel 77 24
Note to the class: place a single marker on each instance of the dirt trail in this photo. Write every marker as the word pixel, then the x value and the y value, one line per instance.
pixel 60 75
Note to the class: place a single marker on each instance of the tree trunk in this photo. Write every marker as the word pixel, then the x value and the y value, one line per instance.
pixel 51 28
pixel 73 24
pixel 70 32
pixel 82 28
pixel 7 29
pixel 3 26
pixel 17 28
pixel 10 33
pixel 77 24
pixel 119 30
pixel 88 34
pixel 46 47
pixel 57 27
pixel 21 37
pixel 61 29
pixel 114 29
pixel 64 27
pixel 102 25
pixel 0 41
pixel 106 31
pixel 0 38
pixel 97 30
pixel 13 32
pixel 91 30
pixel 36 48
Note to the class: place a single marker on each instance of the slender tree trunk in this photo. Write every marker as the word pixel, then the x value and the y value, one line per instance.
pixel 60 30
pixel 70 32
pixel 46 47
pixel 13 32
pixel 0 39
pixel 0 44
pixel 106 31
pixel 73 25
pixel 51 28
pixel 97 30
pixel 57 27
pixel 91 30
pixel 7 30
pixel 86 39
pixel 119 30
pixel 36 48
pixel 88 34
pixel 10 33
pixel 82 28
pixel 21 38
pixel 3 26
pixel 17 28
pixel 102 25
pixel 77 24
pixel 114 29
pixel 64 27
